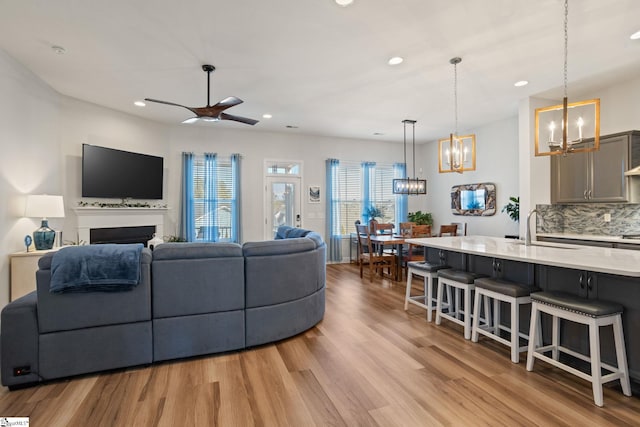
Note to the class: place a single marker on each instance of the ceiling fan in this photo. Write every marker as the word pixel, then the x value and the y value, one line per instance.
pixel 211 113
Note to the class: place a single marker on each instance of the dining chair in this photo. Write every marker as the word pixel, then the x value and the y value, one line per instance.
pixel 462 228
pixel 415 252
pixel 377 261
pixel 450 230
pixel 405 228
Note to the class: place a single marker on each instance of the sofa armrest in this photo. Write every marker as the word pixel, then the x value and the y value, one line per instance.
pixel 19 338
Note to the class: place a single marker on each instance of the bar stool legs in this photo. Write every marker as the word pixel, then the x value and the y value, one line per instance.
pixel 428 272
pixel 594 314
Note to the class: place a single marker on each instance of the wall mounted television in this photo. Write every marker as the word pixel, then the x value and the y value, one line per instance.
pixel 111 173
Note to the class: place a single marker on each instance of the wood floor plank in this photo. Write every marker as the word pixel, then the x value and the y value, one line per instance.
pixel 367 363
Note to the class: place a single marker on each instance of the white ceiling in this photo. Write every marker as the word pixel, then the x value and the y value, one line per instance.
pixel 321 67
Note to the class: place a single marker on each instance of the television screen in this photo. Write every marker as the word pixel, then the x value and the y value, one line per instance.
pixel 107 172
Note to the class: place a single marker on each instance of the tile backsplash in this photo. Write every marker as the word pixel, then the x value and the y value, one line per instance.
pixel 588 218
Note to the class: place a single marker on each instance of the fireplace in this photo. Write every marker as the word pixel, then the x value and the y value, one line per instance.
pixel 140 234
pixel 120 223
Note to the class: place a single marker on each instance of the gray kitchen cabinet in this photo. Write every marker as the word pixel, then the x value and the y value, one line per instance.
pixel 596 176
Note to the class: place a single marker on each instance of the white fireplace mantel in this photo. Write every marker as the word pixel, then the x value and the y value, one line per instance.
pixel 94 217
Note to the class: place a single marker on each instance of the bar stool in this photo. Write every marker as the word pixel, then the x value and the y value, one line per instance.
pixel 594 313
pixel 515 294
pixel 460 281
pixel 428 272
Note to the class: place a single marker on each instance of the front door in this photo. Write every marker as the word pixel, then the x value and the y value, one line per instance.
pixel 284 204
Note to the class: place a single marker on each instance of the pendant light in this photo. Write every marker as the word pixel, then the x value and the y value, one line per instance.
pixel 410 186
pixel 456 153
pixel 582 134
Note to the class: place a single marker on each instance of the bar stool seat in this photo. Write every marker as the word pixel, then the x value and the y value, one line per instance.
pixel 428 272
pixel 461 281
pixel 516 294
pixel 594 313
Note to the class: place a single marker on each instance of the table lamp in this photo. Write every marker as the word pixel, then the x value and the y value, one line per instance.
pixel 44 206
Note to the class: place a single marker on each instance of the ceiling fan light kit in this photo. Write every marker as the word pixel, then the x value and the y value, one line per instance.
pixel 211 113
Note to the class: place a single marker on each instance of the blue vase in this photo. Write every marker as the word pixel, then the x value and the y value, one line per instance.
pixel 43 237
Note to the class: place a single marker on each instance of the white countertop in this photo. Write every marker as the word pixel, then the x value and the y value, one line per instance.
pixel 604 260
pixel 593 237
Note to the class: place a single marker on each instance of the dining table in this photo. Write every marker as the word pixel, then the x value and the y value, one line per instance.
pixel 396 241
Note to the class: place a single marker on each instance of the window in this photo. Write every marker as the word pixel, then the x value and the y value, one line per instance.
pixel 358 188
pixel 212 209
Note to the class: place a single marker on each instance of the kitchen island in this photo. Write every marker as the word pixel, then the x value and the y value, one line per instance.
pixel 590 272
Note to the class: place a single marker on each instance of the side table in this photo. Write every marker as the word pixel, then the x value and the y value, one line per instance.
pixel 23 271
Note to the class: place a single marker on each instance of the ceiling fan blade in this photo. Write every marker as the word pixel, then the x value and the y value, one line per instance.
pixel 167 103
pixel 225 116
pixel 229 102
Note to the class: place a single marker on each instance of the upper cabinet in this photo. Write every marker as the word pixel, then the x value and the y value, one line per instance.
pixel 597 176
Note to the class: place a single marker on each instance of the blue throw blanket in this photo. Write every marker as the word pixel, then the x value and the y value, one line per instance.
pixel 96 268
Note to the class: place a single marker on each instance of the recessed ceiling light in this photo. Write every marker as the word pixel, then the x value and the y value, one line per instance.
pixel 521 83
pixel 378 133
pixel 395 60
pixel 292 127
pixel 59 50
pixel 635 36
pixel 344 3
pixel 266 116
pixel 139 104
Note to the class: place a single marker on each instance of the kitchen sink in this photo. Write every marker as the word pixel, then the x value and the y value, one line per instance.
pixel 546 245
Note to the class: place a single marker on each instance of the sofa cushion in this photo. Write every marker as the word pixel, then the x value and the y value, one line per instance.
pixel 197 278
pixel 68 311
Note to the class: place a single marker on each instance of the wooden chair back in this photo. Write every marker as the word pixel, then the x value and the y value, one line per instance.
pixel 462 228
pixel 450 230
pixel 421 231
pixel 405 228
pixel 364 243
pixel 378 228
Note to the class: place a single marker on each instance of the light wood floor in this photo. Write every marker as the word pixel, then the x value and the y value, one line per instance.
pixel 368 363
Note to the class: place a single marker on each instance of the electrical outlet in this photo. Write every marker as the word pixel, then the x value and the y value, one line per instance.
pixel 607 217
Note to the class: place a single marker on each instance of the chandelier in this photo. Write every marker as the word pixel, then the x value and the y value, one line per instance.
pixel 582 132
pixel 410 186
pixel 456 153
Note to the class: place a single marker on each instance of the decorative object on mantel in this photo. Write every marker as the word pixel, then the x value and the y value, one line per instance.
pixel 583 123
pixel 125 203
pixel 456 153
pixel 44 206
pixel 513 208
pixel 410 186
pixel 172 239
pixel 474 199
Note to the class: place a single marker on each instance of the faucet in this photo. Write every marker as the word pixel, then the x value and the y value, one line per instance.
pixel 527 240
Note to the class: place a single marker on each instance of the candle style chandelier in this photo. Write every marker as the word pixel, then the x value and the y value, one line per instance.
pixel 456 153
pixel 582 134
pixel 410 186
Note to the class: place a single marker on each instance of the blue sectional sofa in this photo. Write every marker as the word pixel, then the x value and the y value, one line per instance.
pixel 192 299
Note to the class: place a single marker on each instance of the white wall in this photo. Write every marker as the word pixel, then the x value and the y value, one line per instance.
pixel 31 159
pixel 496 162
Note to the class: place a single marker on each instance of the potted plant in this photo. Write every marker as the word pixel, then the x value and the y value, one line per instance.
pixel 374 212
pixel 513 210
pixel 420 218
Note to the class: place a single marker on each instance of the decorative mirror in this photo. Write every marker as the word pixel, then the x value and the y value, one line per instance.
pixel 474 199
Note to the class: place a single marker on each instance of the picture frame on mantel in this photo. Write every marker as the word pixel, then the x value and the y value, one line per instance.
pixel 474 199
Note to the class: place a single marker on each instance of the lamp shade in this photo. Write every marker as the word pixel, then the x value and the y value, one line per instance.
pixel 44 206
